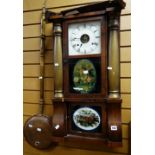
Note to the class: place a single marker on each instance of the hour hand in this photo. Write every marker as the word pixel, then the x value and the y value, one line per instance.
pixel 75 39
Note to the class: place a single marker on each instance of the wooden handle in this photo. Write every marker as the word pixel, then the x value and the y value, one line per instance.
pixel 42 51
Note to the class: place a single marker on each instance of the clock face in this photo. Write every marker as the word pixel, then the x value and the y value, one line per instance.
pixel 84 38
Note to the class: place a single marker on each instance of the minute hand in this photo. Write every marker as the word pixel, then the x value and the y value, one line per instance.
pixel 75 38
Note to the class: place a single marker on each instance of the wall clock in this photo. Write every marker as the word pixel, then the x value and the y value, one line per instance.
pixel 87 102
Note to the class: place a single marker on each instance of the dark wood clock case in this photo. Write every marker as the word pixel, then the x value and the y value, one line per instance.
pixel 105 100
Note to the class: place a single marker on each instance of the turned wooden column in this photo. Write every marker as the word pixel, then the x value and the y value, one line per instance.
pixel 114 101
pixel 58 69
pixel 114 57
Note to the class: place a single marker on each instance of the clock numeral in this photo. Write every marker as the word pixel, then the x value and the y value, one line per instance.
pixel 95 44
pixel 78 28
pixel 74 45
pixel 78 50
pixel 97 36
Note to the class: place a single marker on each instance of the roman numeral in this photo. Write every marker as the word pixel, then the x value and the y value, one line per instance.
pixel 74 45
pixel 95 43
pixel 97 36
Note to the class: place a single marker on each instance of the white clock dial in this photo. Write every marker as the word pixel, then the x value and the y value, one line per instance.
pixel 84 38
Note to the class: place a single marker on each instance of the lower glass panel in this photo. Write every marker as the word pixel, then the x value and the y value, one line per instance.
pixel 86 118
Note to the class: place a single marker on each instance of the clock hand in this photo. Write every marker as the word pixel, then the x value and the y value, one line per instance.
pixel 74 39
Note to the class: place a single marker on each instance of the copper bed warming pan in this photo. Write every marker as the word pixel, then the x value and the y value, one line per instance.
pixel 38 128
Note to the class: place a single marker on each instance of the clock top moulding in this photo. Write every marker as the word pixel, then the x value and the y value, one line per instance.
pixel 111 9
pixel 88 10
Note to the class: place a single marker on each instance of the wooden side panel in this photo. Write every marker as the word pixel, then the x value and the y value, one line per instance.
pixel 126 100
pixel 125 22
pixel 34 70
pixel 34 30
pixel 33 84
pixel 125 134
pixel 33 96
pixel 125 54
pixel 31 31
pixel 31 17
pixel 126 115
pixel 31 70
pixel 125 38
pixel 34 57
pixel 126 85
pixel 31 57
pixel 125 69
pixel 31 44
pixel 34 43
pixel 32 109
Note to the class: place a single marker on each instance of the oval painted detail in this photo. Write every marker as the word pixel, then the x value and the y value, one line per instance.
pixel 86 118
pixel 84 76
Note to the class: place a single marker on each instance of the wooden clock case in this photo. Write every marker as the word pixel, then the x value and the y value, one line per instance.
pixel 107 99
